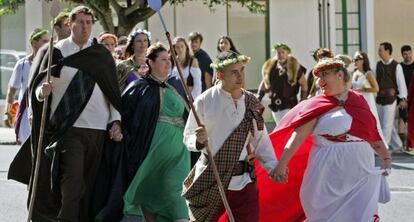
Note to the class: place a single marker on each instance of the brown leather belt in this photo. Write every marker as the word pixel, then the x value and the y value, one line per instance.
pixel 242 167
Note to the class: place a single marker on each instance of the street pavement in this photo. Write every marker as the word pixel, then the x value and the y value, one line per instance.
pixel 13 195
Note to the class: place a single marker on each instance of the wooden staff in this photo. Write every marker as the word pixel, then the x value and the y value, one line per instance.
pixel 54 11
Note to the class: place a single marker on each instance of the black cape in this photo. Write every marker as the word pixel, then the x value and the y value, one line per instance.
pixel 95 61
pixel 140 111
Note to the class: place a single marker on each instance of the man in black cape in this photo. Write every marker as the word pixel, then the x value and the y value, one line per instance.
pixel 84 101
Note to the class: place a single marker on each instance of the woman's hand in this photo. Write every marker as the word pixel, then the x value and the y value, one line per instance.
pixel 386 164
pixel 280 173
pixel 115 133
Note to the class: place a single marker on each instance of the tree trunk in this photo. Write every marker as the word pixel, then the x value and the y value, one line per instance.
pixel 127 20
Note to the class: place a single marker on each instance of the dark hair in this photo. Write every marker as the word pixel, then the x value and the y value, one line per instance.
pixel 81 9
pixel 387 46
pixel 153 51
pixel 232 47
pixel 188 55
pixel 129 49
pixel 363 55
pixel 60 19
pixel 405 48
pixel 123 40
pixel 321 53
pixel 195 35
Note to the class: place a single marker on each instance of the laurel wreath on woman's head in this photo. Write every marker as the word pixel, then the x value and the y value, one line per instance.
pixel 327 64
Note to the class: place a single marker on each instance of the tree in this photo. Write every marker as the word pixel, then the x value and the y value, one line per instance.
pixel 129 12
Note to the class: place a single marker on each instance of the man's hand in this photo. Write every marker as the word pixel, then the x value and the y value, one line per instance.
pixel 45 90
pixel 115 133
pixel 202 137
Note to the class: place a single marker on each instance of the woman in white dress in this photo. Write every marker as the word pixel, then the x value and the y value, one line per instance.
pixel 363 81
pixel 189 65
pixel 341 182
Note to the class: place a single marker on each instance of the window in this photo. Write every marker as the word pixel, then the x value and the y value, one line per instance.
pixel 348 28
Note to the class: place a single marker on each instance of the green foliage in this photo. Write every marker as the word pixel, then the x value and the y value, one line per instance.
pixel 131 12
pixel 9 7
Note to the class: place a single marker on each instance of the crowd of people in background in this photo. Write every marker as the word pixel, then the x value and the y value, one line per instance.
pixel 125 93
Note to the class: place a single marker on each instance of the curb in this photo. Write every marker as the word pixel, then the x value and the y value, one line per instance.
pixel 8 143
pixel 405 166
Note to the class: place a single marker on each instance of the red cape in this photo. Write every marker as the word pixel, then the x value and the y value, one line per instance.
pixel 280 202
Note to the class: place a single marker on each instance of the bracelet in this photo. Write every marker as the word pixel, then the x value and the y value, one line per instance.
pixel 388 158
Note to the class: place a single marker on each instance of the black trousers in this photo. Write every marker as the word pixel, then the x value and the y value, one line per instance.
pixel 81 152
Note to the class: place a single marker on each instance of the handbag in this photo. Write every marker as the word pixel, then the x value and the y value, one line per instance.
pixel 386 96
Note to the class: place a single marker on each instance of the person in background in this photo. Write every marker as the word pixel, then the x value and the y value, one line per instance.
pixel 225 43
pixel 204 60
pixel 61 26
pixel 363 81
pixel 18 83
pixel 110 41
pixel 134 65
pixel 313 85
pixel 189 66
pixel 120 49
pixel 408 68
pixel 391 82
pixel 283 76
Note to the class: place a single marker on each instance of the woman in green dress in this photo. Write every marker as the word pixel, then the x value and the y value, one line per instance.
pixel 155 190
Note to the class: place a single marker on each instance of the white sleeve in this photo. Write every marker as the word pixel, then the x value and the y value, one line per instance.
pixel 114 114
pixel 196 73
pixel 190 127
pixel 17 75
pixel 37 90
pixel 402 87
pixel 264 151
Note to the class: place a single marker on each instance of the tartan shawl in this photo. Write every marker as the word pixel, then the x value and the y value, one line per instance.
pixel 202 194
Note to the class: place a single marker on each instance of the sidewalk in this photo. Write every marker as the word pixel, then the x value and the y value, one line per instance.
pixel 7 136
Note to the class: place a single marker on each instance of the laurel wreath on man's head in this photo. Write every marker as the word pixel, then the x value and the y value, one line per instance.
pixel 282 46
pixel 221 64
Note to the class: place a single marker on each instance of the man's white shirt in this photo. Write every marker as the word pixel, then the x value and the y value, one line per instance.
pixel 218 112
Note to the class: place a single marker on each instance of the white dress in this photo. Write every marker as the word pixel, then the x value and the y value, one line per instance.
pixel 341 182
pixel 196 73
pixel 360 81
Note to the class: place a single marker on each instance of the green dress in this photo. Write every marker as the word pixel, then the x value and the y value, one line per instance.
pixel 157 185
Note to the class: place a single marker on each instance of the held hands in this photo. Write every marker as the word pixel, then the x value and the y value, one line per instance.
pixel 115 133
pixel 403 104
pixel 280 173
